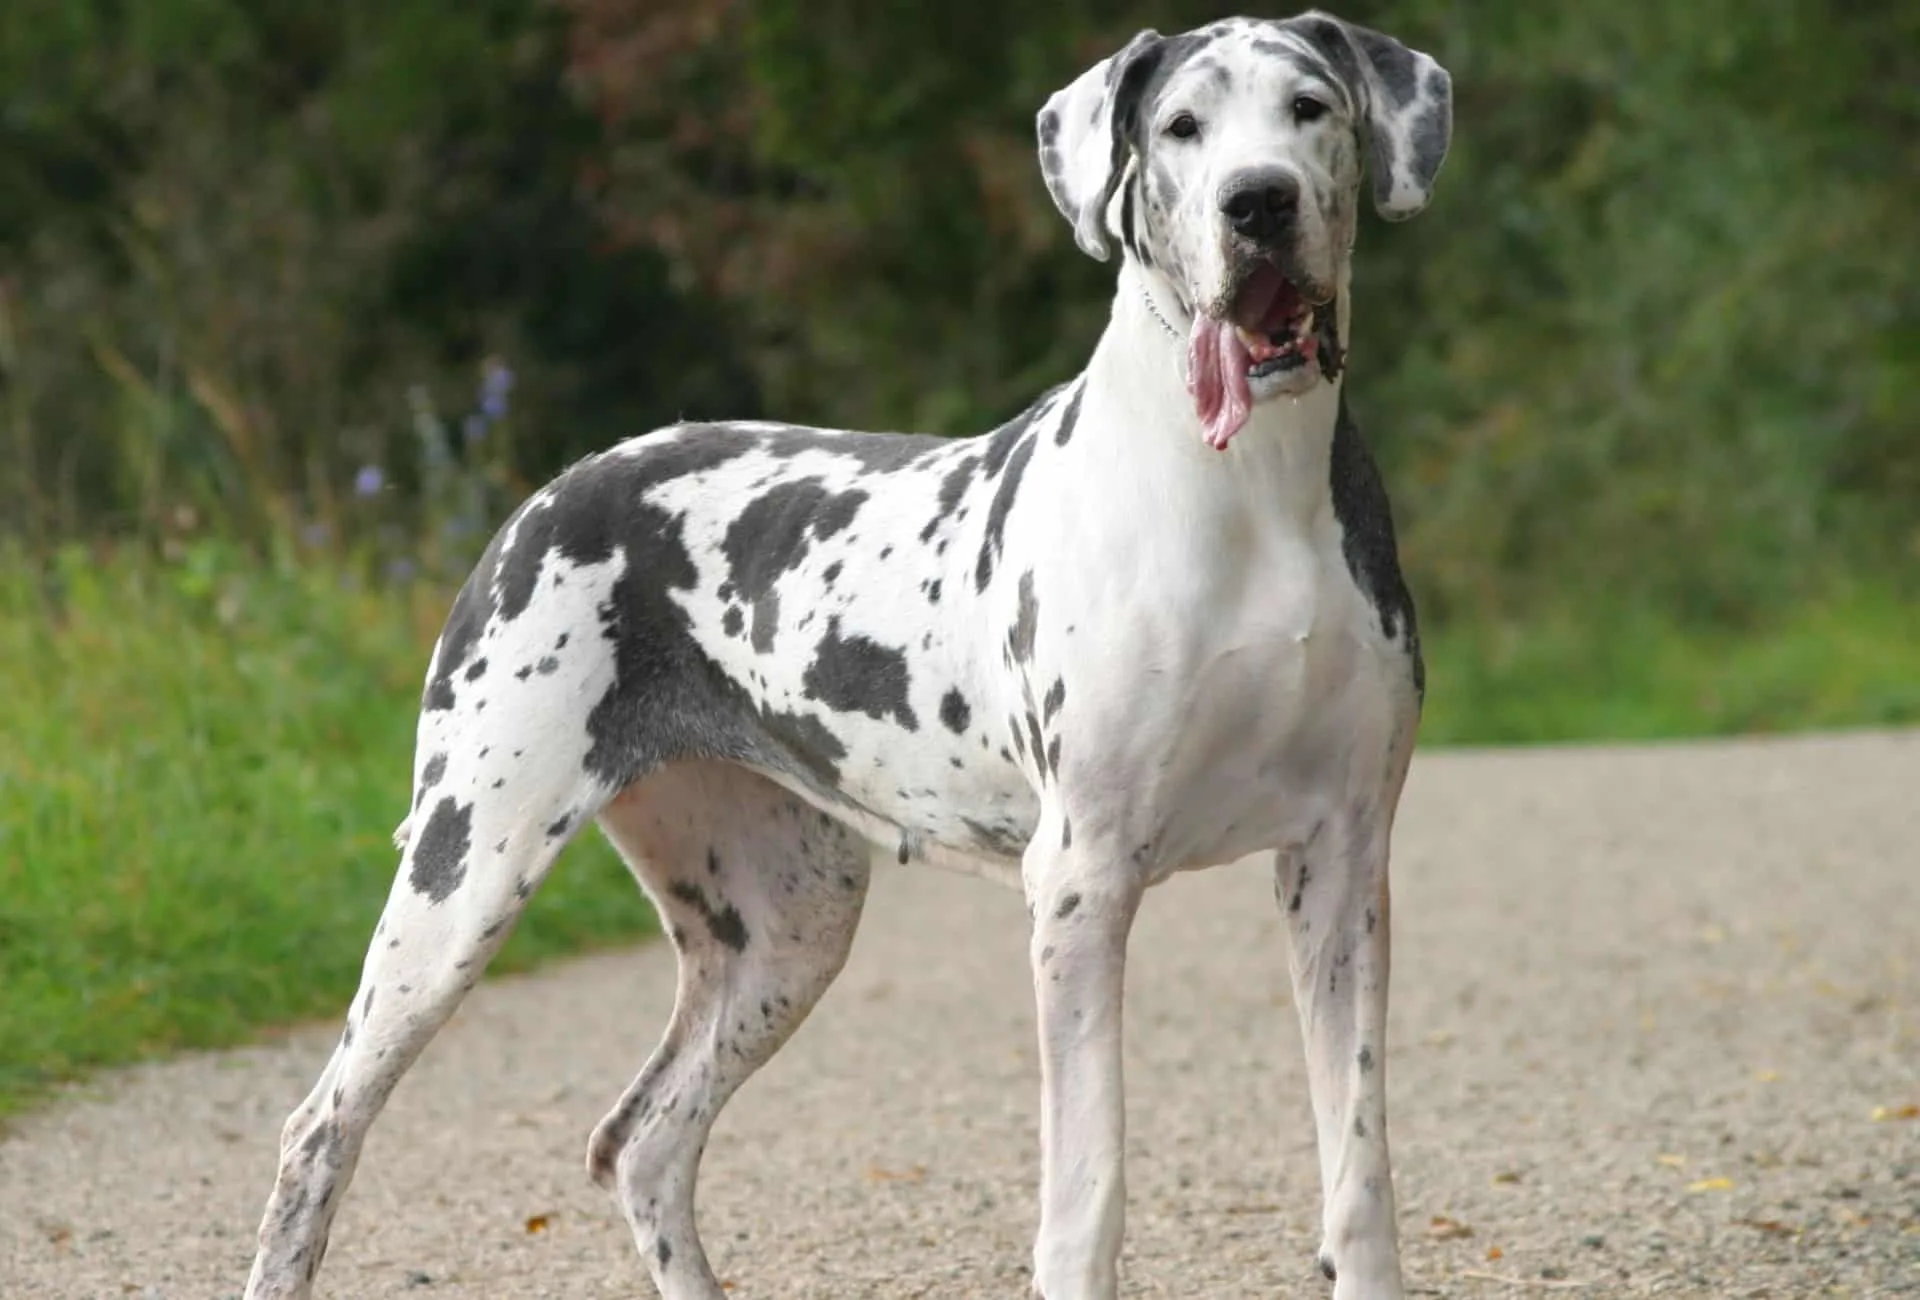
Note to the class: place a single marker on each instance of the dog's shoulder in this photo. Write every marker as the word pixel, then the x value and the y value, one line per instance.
pixel 1367 539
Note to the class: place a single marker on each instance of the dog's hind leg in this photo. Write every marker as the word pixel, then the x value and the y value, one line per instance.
pixel 500 785
pixel 761 895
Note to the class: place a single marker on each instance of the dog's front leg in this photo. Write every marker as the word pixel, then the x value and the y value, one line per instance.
pixel 1082 904
pixel 1334 894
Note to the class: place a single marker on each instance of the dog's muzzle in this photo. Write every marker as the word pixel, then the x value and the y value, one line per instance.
pixel 1266 335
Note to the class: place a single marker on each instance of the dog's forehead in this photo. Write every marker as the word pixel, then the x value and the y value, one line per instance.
pixel 1241 56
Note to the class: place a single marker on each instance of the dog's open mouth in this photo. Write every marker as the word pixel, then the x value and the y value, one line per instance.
pixel 1273 322
pixel 1270 328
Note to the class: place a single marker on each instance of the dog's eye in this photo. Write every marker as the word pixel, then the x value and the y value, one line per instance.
pixel 1184 127
pixel 1308 109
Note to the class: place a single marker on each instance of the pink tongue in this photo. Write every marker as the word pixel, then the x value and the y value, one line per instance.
pixel 1217 364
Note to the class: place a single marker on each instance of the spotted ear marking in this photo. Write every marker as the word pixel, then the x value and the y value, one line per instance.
pixel 1407 100
pixel 1085 132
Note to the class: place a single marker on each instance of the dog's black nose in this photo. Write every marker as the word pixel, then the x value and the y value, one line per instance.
pixel 1260 205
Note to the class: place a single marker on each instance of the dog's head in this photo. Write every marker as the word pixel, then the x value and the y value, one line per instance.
pixel 1227 162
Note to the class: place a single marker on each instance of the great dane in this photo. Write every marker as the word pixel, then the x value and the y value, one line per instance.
pixel 1154 623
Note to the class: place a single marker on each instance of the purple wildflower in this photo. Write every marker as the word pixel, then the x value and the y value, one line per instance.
pixel 368 481
pixel 496 382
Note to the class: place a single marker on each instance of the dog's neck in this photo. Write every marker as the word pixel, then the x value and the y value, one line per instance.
pixel 1140 366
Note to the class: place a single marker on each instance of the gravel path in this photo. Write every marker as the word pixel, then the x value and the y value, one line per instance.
pixel 1647 1002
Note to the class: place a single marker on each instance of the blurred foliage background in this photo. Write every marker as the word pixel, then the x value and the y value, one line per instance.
pixel 1658 338
pixel 297 300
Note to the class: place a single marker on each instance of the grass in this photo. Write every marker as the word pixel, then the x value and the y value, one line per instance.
pixel 1846 661
pixel 200 768
pixel 202 761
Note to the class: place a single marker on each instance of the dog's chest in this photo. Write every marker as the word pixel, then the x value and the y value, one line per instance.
pixel 1227 682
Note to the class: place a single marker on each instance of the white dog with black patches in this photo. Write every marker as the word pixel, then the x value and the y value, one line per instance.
pixel 1155 623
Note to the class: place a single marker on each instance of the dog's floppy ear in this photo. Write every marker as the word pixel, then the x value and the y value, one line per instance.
pixel 1085 133
pixel 1407 100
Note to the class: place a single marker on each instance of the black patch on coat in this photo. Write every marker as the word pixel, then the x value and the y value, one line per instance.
pixel 1328 36
pixel 324 1138
pixel 856 674
pixel 876 453
pixel 955 712
pixel 766 620
pixel 430 775
pixel 952 488
pixel 998 445
pixel 1326 326
pixel 1140 88
pixel 732 621
pixel 812 744
pixel 1066 907
pixel 1026 622
pixel 1134 78
pixel 1011 445
pixel 1432 130
pixel 1367 540
pixel 1055 697
pixel 1069 417
pixel 477 671
pixel 1392 62
pixel 724 923
pixel 440 851
pixel 999 837
pixel 770 538
pixel 466 620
